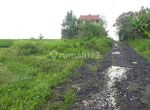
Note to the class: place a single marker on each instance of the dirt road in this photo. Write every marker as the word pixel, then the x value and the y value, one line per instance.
pixel 121 83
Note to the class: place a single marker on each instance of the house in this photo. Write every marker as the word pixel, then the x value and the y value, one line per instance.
pixel 91 18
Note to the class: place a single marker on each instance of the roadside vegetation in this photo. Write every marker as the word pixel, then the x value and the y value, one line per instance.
pixel 134 28
pixel 134 25
pixel 142 47
pixel 28 74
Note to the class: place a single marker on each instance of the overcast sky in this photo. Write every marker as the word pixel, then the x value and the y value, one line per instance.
pixel 28 18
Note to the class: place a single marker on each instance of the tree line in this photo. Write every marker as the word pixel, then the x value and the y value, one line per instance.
pixel 72 28
pixel 134 25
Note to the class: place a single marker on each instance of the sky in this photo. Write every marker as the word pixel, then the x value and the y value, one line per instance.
pixel 23 19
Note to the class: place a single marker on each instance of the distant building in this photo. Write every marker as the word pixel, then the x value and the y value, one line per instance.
pixel 92 18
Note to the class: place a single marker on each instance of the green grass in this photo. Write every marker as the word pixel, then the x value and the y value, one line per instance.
pixel 28 76
pixel 70 98
pixel 5 75
pixel 6 43
pixel 142 47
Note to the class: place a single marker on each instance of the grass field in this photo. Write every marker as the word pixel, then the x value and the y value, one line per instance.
pixel 142 47
pixel 29 73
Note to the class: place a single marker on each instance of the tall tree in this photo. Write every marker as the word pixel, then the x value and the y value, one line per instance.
pixel 69 26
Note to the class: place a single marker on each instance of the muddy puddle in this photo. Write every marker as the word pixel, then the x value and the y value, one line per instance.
pixel 106 99
pixel 116 53
pixel 115 74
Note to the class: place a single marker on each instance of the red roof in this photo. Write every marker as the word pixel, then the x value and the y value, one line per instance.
pixel 89 17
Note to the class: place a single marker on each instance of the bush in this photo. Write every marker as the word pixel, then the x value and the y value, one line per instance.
pixel 90 29
pixel 26 47
pixel 141 46
pixel 134 25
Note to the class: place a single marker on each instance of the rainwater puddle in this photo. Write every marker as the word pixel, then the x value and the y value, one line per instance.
pixel 115 74
pixel 116 53
pixel 106 99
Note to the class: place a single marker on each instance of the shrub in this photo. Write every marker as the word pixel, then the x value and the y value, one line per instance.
pixel 26 47
pixel 134 25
